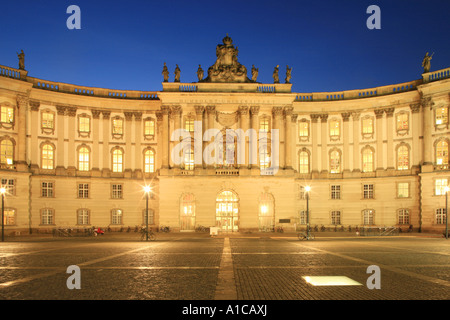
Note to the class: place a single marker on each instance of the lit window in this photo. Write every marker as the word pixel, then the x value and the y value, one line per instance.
pixel 304 162
pixel 303 129
pixel 117 191
pixel 9 217
pixel 367 160
pixel 335 162
pixel 402 122
pixel 47 189
pixel 47 156
pixel 368 217
pixel 47 120
pixel 6 152
pixel 334 128
pixel 335 217
pixel 442 153
pixel 149 128
pixel 9 185
pixel 403 216
pixel 403 190
pixel 442 115
pixel 302 217
pixel 7 115
pixel 264 124
pixel 335 192
pixel 189 124
pixel 47 216
pixel 368 191
pixel 84 124
pixel 116 216
pixel 149 161
pixel 117 126
pixel 83 190
pixel 402 158
pixel 439 186
pixel 441 214
pixel 82 216
pixel 264 157
pixel 83 159
pixel 151 215
pixel 189 160
pixel 367 126
pixel 117 160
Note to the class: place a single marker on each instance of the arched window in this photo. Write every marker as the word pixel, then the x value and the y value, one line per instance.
pixel 188 159
pixel 47 156
pixel 149 161
pixel 335 161
pixel 6 152
pixel 264 156
pixel 442 153
pixel 367 160
pixel 266 212
pixel 83 159
pixel 402 158
pixel 303 158
pixel 117 160
pixel 187 212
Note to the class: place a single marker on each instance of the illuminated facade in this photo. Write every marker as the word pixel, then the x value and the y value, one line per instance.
pixel 74 156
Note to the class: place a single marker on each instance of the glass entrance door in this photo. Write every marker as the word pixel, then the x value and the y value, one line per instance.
pixel 227 211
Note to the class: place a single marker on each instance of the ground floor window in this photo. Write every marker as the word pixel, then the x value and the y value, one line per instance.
pixel 403 216
pixel 266 212
pixel 82 216
pixel 116 216
pixel 151 217
pixel 440 216
pixel 47 216
pixel 9 217
pixel 187 212
pixel 335 217
pixel 227 211
pixel 368 217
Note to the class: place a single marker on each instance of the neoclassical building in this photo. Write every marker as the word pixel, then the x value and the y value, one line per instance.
pixel 75 156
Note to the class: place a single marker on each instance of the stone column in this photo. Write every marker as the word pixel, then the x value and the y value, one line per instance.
pixel 243 113
pixel 356 136
pixel 288 139
pixel 159 135
pixel 277 113
pixel 294 133
pixel 314 165
pixel 346 139
pixel 427 105
pixel 324 136
pixel 379 135
pixel 415 129
pixel 211 112
pixel 95 154
pixel 254 159
pixel 60 111
pixel 71 154
pixel 35 125
pixel 198 137
pixel 22 106
pixel 128 161
pixel 175 116
pixel 138 156
pixel 106 170
pixel 165 137
pixel 390 142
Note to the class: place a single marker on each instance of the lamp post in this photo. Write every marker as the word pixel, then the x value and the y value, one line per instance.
pixel 446 189
pixel 307 190
pixel 3 191
pixel 147 190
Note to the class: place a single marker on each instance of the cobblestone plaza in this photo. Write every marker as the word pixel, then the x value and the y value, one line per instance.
pixel 258 266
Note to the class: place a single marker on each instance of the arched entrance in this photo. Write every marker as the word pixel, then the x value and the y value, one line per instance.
pixel 227 211
pixel 266 212
pixel 187 212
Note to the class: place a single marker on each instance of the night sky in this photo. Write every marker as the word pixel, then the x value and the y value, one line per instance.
pixel 124 44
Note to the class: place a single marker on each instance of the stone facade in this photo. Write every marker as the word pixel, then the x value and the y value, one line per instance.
pixel 76 156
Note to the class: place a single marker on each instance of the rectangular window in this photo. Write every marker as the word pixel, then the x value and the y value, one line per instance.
pixel 7 114
pixel 403 190
pixel 83 216
pixel 335 217
pixel 116 216
pixel 47 216
pixel 442 115
pixel 48 120
pixel 303 129
pixel 334 128
pixel 264 125
pixel 403 216
pixel 84 124
pixel 335 192
pixel 47 189
pixel 367 126
pixel 440 216
pixel 149 128
pixel 9 217
pixel 368 191
pixel 9 185
pixel 439 186
pixel 150 216
pixel 117 127
pixel 189 125
pixel 302 217
pixel 402 122
pixel 368 217
pixel 117 191
pixel 301 193
pixel 83 190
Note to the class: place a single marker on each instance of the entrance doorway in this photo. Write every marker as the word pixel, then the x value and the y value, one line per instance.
pixel 266 212
pixel 187 212
pixel 227 211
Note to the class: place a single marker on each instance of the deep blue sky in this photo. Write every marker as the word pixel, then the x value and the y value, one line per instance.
pixel 123 44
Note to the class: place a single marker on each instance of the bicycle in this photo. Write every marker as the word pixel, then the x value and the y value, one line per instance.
pixel 304 236
pixel 280 229
pixel 164 229
pixel 151 234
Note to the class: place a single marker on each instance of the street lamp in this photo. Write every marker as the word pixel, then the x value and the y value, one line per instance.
pixel 307 190
pixel 147 190
pixel 446 189
pixel 3 191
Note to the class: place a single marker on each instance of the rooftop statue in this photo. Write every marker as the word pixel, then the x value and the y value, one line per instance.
pixel 276 78
pixel 254 73
pixel 21 56
pixel 200 73
pixel 177 74
pixel 227 68
pixel 165 73
pixel 426 63
pixel 288 74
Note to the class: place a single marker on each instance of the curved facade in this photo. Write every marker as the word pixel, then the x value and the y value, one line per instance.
pixel 74 156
